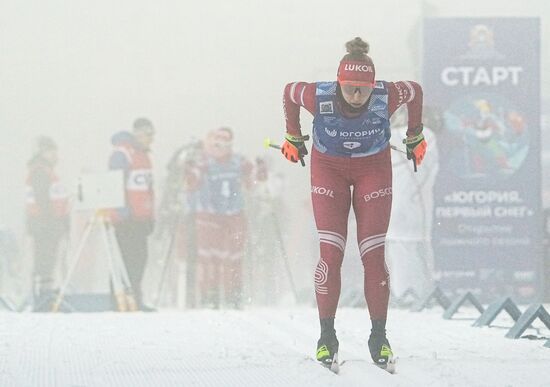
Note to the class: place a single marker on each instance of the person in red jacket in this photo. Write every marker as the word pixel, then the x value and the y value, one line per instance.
pixel 134 222
pixel 47 218
pixel 351 166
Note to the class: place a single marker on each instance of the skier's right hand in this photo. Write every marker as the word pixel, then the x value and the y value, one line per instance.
pixel 293 148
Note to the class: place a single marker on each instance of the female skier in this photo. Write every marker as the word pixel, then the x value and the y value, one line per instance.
pixel 351 165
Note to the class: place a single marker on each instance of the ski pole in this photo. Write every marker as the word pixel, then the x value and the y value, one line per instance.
pixel 402 151
pixel 269 144
pixel 284 253
pixel 397 149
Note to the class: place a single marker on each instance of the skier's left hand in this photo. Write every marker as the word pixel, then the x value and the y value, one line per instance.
pixel 416 147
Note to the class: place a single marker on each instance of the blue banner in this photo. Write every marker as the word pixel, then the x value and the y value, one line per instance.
pixel 483 76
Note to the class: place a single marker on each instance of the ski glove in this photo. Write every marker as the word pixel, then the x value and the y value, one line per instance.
pixel 416 147
pixel 294 149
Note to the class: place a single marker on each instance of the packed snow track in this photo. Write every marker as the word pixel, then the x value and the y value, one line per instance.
pixel 257 347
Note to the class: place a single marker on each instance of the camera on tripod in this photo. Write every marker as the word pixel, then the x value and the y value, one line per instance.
pixel 98 191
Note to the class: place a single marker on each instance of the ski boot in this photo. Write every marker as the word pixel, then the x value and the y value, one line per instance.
pixel 381 352
pixel 327 352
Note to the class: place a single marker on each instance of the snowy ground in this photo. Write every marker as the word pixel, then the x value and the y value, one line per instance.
pixel 258 347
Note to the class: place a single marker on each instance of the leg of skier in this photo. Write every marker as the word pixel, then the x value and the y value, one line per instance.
pixel 331 198
pixel 208 250
pixel 372 198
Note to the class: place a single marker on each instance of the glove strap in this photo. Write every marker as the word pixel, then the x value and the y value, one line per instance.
pixel 415 131
pixel 413 139
pixel 292 138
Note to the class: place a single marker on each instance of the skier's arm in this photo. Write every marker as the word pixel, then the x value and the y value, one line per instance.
pixel 297 94
pixel 247 169
pixel 410 93
pixel 193 171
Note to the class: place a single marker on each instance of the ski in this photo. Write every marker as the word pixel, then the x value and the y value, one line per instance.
pixel 334 367
pixel 389 367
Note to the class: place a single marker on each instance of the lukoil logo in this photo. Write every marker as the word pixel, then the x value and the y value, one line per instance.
pixel 322 191
pixel 358 67
pixel 378 194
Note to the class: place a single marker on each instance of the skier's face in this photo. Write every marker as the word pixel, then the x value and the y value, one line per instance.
pixel 220 144
pixel 50 155
pixel 145 137
pixel 356 96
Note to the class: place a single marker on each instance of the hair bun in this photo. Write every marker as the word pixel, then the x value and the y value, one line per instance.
pixel 357 46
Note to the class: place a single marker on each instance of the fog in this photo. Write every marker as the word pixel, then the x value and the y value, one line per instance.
pixel 81 70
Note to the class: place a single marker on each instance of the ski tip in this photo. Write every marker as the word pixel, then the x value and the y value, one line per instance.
pixel 390 365
pixel 334 366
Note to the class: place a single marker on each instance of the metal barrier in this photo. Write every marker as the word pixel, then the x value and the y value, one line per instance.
pixel 435 295
pixel 453 308
pixel 531 314
pixel 494 309
pixel 408 298
pixel 7 305
pixel 488 315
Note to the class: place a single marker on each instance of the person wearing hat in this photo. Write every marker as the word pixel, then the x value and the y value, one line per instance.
pixel 351 166
pixel 134 223
pixel 47 218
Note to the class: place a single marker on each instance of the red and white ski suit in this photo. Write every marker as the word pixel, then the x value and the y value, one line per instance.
pixel 337 183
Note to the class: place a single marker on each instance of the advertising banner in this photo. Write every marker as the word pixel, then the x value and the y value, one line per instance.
pixel 483 76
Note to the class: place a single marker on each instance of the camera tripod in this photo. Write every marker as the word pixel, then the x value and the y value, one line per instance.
pixel 122 288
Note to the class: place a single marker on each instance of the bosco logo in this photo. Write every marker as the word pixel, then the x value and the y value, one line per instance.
pixel 378 194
